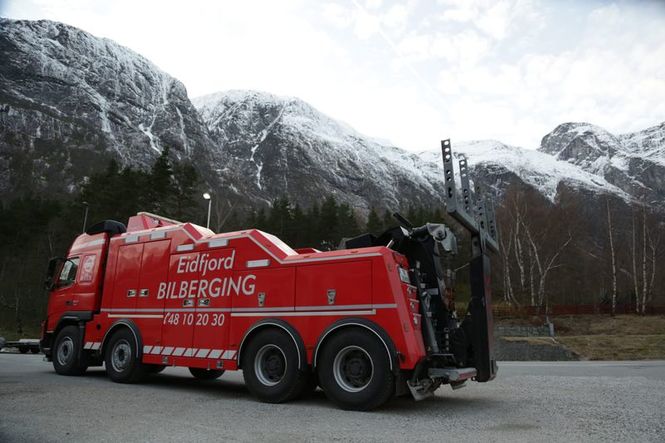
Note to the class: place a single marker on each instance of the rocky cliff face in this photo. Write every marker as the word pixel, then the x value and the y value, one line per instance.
pixel 70 101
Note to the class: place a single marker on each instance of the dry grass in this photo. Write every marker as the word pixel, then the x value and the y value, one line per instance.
pixel 533 340
pixel 603 337
pixel 608 325
pixel 616 347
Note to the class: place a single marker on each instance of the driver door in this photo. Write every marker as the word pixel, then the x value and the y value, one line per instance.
pixel 62 295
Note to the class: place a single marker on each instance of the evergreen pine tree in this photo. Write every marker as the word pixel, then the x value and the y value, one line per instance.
pixel 328 223
pixel 374 223
pixel 261 221
pixel 347 222
pixel 300 228
pixel 314 234
pixel 186 202
pixel 279 219
pixel 162 190
pixel 388 220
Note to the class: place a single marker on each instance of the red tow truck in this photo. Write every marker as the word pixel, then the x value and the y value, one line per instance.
pixel 370 320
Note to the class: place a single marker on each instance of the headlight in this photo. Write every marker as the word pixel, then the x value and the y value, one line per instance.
pixel 404 275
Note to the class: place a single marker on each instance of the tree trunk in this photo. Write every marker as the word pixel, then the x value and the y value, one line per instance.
pixel 519 256
pixel 532 288
pixel 614 266
pixel 653 274
pixel 17 311
pixel 635 282
pixel 644 259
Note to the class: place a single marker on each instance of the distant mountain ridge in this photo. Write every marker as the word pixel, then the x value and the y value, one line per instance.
pixel 72 101
pixel 634 162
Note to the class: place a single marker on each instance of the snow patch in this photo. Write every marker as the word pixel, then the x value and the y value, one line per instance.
pixel 148 132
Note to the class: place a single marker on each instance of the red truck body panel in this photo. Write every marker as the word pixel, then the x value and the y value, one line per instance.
pixel 195 295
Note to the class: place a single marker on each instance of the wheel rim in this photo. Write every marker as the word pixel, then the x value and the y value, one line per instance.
pixel 270 365
pixel 65 351
pixel 353 369
pixel 121 355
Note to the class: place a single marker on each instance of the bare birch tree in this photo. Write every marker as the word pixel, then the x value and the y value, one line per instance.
pixel 648 294
pixel 644 257
pixel 613 258
pixel 634 260
pixel 544 264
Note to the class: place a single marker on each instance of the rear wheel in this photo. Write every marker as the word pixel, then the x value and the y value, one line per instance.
pixel 23 349
pixel 270 367
pixel 68 357
pixel 34 350
pixel 206 374
pixel 121 360
pixel 354 371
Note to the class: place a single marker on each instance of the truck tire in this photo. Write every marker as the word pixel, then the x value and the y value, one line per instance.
pixel 23 349
pixel 354 371
pixel 206 374
pixel 122 365
pixel 34 350
pixel 270 367
pixel 66 352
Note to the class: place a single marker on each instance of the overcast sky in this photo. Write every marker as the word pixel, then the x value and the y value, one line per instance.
pixel 412 72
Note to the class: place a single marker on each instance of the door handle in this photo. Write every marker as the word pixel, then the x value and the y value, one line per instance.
pixel 68 302
pixel 188 303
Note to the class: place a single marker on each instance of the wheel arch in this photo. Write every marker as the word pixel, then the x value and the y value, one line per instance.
pixel 72 318
pixel 69 318
pixel 127 324
pixel 280 324
pixel 366 325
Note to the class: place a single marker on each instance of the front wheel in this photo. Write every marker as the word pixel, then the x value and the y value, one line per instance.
pixel 270 367
pixel 68 357
pixel 206 374
pixel 354 371
pixel 121 359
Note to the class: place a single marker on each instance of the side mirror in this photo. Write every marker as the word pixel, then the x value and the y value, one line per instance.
pixel 53 265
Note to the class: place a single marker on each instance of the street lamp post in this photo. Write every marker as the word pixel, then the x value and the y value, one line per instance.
pixel 85 215
pixel 207 196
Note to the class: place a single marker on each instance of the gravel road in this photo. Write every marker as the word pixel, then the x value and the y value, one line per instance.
pixel 529 401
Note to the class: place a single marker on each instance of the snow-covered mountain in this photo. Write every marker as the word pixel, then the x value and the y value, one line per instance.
pixel 500 165
pixel 634 162
pixel 283 146
pixel 70 101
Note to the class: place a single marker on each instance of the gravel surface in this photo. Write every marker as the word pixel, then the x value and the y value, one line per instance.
pixel 529 401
